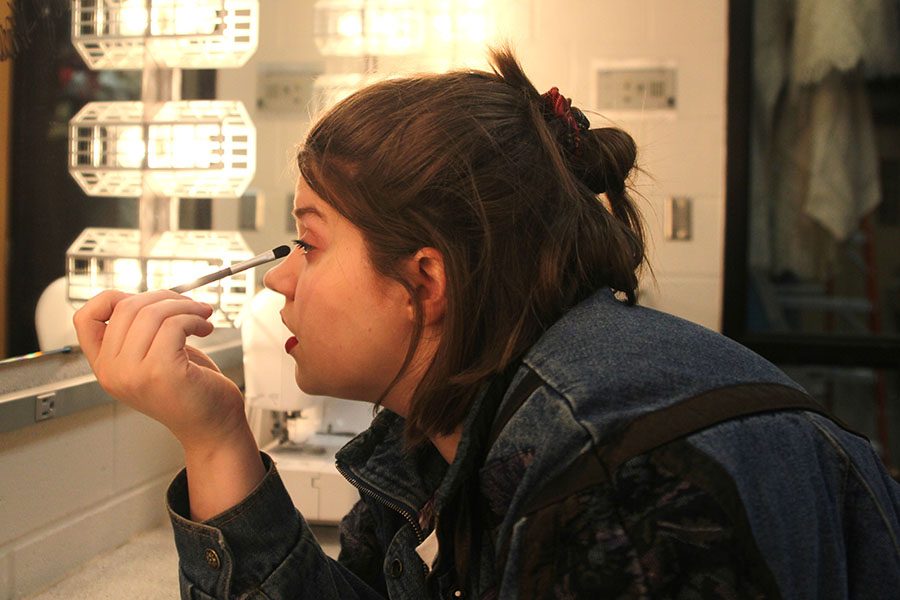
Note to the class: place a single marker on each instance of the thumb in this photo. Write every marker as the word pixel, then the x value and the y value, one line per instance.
pixel 200 359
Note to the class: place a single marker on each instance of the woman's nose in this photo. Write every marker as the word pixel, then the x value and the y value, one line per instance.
pixel 280 278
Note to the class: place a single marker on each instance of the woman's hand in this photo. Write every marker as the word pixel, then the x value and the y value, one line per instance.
pixel 136 346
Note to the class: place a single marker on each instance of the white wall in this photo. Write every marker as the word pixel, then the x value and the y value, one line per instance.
pixel 286 44
pixel 76 486
pixel 682 154
pixel 558 43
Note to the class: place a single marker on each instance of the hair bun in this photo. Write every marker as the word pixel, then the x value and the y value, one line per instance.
pixel 606 160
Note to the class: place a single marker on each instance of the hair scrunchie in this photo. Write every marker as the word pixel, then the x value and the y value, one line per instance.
pixel 559 107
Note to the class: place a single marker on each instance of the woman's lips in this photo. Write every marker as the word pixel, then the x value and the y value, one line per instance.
pixel 290 343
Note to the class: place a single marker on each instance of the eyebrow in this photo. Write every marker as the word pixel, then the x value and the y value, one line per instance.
pixel 302 211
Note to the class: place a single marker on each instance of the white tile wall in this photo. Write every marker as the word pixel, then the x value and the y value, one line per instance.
pixel 144 449
pixel 54 552
pixel 59 467
pixel 687 258
pixel 681 23
pixel 559 43
pixel 76 486
pixel 681 154
pixel 695 298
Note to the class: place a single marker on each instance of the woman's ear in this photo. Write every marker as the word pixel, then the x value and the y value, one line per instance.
pixel 426 274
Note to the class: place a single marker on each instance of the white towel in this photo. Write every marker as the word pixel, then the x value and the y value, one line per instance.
pixel 843 175
pixel 839 35
pixel 815 159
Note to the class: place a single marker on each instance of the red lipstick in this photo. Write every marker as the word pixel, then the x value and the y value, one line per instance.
pixel 290 343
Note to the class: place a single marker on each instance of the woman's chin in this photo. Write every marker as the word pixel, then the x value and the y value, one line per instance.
pixel 307 385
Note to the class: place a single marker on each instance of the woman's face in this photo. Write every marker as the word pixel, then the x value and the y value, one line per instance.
pixel 352 325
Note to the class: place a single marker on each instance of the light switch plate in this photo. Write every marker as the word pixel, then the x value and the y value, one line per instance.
pixel 677 218
pixel 285 91
pixel 634 86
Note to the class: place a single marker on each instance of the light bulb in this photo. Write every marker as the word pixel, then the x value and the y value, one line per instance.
pixel 132 18
pixel 130 148
pixel 185 147
pixel 126 274
pixel 198 17
pixel 350 25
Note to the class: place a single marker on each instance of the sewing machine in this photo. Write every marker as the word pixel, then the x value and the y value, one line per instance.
pixel 308 430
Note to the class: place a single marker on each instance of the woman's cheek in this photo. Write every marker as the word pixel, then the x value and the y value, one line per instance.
pixel 306 284
pixel 312 299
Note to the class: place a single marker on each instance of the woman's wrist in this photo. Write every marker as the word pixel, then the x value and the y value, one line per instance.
pixel 222 474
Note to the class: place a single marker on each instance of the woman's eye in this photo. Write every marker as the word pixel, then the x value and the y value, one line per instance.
pixel 304 247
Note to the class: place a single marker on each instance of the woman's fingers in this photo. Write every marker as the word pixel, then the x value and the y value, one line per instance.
pixel 169 343
pixel 90 321
pixel 136 347
pixel 123 315
pixel 148 322
pixel 151 378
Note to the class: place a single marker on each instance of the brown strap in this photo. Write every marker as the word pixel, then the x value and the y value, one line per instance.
pixel 530 382
pixel 650 431
pixel 657 428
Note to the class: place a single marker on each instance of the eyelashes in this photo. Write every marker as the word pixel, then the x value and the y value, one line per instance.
pixel 304 247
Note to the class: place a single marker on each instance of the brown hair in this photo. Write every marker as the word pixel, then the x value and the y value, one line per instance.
pixel 473 164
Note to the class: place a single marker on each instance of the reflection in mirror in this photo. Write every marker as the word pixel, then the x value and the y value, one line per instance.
pixel 825 198
pixel 301 66
pixel 47 210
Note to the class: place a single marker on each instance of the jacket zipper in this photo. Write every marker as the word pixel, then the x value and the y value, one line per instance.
pixel 395 506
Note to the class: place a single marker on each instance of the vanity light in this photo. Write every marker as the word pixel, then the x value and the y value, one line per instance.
pixel 185 149
pixel 162 148
pixel 369 27
pixel 197 34
pixel 454 21
pixel 103 258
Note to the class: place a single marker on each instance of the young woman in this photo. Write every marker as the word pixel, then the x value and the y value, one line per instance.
pixel 466 259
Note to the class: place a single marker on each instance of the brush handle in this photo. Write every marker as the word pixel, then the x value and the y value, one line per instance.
pixel 184 287
pixel 261 259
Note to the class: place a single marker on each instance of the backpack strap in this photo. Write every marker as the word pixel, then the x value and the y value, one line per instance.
pixel 652 430
pixel 526 386
pixel 459 537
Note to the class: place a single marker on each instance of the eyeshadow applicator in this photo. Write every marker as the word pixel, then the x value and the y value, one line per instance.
pixel 279 252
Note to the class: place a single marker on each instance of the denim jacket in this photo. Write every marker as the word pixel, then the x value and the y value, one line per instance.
pixel 774 503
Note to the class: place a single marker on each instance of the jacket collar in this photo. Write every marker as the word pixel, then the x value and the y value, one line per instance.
pixel 377 461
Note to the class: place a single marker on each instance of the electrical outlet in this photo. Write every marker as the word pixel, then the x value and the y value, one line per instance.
pixel 45 406
pixel 635 87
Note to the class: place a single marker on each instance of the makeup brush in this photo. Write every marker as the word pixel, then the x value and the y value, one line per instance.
pixel 279 252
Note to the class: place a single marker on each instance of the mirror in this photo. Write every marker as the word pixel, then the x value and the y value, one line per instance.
pixel 50 82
